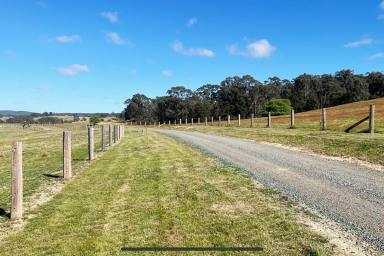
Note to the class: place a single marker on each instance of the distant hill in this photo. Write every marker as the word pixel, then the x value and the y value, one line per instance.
pixel 15 113
pixel 27 113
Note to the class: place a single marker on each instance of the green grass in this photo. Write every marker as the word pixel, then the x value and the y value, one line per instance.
pixel 42 154
pixel 362 146
pixel 154 191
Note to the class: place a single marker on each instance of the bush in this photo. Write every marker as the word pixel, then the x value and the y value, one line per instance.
pixel 277 107
pixel 94 120
pixel 21 119
pixel 50 120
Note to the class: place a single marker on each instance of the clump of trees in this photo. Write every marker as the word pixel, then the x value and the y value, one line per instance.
pixel 246 95
pixel 50 120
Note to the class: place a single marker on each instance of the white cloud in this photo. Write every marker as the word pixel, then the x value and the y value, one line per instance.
pixel 258 49
pixel 191 22
pixel 68 38
pixel 382 4
pixel 115 38
pixel 178 47
pixel 111 16
pixel 378 55
pixel 167 73
pixel 365 41
pixel 73 70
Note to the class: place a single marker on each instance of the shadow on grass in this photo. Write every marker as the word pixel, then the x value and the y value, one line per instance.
pixel 55 176
pixel 5 214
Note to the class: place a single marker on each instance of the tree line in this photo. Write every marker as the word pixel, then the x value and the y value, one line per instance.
pixel 245 95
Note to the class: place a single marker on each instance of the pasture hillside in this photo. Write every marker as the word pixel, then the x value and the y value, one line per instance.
pixel 307 133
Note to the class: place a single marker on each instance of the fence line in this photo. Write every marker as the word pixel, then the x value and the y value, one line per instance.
pixel 17 164
pixel 291 123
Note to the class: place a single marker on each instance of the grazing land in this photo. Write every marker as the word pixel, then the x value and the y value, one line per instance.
pixel 333 141
pixel 150 190
pixel 42 157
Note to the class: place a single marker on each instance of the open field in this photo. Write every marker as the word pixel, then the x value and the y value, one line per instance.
pixel 338 118
pixel 42 157
pixel 154 191
pixel 308 135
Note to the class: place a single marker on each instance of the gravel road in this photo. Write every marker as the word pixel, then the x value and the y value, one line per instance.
pixel 347 193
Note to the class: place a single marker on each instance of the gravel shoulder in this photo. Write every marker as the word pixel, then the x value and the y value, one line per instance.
pixel 350 194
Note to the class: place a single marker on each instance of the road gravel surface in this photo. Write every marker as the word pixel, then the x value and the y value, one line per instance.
pixel 348 193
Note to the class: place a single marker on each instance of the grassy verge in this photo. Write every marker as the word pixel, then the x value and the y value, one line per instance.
pixel 359 145
pixel 153 191
pixel 42 157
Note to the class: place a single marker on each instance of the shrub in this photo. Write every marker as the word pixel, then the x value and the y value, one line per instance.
pixel 50 120
pixel 94 120
pixel 277 107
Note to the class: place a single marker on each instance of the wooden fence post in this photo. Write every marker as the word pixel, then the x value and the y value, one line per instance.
pixel 212 121
pixel 103 137
pixel 372 119
pixel 219 120
pixel 110 135
pixel 292 119
pixel 169 122
pixel 115 139
pixel 229 120
pixel 180 121
pixel 252 117
pixel 323 118
pixel 238 120
pixel 192 121
pixel 67 158
pixel 269 124
pixel 17 181
pixel 206 121
pixel 175 121
pixel 198 121
pixel 91 146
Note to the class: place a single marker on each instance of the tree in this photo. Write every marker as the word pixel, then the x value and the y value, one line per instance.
pixel 180 92
pixel 234 95
pixel 94 120
pixel 209 97
pixel 245 95
pixel 277 107
pixel 138 108
pixel 376 84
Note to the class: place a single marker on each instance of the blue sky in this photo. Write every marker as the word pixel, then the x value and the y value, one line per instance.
pixel 89 56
